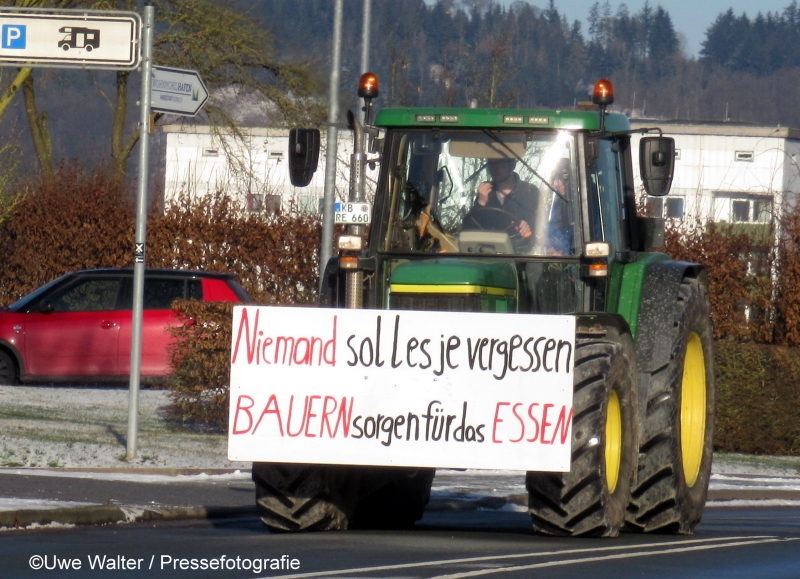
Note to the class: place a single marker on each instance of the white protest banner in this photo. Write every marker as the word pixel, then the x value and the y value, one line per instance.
pixel 401 388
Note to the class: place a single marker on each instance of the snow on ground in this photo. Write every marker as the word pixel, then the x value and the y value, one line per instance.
pixel 130 475
pixel 743 464
pixel 7 504
pixel 86 427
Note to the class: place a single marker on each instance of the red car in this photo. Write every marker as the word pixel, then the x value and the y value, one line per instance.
pixel 78 327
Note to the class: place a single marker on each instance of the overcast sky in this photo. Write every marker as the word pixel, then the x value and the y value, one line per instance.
pixel 690 17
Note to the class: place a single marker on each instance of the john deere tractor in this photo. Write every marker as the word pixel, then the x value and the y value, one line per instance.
pixel 643 384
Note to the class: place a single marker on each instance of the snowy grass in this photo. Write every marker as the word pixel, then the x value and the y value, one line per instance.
pixel 86 427
pixel 730 463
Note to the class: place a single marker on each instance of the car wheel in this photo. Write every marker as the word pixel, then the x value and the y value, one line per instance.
pixel 8 368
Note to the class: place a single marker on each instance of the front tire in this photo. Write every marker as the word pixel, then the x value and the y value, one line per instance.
pixel 677 435
pixel 590 500
pixel 299 497
pixel 8 368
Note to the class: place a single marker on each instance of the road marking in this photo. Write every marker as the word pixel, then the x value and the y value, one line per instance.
pixel 561 552
pixel 562 563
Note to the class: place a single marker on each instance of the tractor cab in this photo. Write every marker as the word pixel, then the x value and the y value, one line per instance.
pixel 498 210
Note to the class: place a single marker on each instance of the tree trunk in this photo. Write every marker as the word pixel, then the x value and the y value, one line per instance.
pixel 121 152
pixel 8 96
pixel 120 110
pixel 40 132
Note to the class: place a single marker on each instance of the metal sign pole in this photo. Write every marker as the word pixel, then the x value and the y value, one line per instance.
pixel 141 230
pixel 326 248
pixel 365 45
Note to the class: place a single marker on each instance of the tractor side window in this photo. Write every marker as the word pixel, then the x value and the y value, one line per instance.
pixel 606 194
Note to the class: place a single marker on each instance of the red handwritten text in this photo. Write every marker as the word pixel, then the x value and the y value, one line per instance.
pixel 284 350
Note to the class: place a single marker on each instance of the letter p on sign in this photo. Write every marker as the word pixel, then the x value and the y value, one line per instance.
pixel 13 36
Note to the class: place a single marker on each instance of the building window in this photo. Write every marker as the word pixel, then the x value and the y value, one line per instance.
pixel 751 211
pixel 666 207
pixel 655 207
pixel 743 209
pixel 674 207
pixel 259 202
pixel 254 202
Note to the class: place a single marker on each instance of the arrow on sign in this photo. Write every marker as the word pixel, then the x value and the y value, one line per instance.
pixel 177 92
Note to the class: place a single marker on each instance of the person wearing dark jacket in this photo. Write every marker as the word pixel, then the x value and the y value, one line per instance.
pixel 506 192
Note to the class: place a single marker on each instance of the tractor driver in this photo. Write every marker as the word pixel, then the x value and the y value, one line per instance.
pixel 505 193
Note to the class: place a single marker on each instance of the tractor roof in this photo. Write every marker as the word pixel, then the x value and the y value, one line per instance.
pixel 499 118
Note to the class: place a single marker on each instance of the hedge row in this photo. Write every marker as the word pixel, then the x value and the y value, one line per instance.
pixel 199 386
pixel 758 399
pixel 753 274
pixel 87 221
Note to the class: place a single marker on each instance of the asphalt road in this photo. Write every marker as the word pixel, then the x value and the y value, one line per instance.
pixel 758 543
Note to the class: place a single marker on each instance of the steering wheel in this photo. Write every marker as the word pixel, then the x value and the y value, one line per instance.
pixel 492 219
pixel 496 219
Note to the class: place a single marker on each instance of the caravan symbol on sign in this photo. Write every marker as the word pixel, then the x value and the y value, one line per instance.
pixel 87 38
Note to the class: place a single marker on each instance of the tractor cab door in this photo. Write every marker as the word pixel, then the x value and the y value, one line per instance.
pixel 610 207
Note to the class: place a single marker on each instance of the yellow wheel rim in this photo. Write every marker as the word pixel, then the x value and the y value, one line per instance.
pixel 613 441
pixel 693 409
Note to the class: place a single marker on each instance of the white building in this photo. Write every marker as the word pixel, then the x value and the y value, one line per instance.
pixel 729 172
pixel 252 166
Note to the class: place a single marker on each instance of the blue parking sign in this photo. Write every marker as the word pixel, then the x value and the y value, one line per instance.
pixel 13 36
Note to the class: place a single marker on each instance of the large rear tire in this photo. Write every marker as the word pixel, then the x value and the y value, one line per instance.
pixel 398 499
pixel 590 500
pixel 299 497
pixel 677 434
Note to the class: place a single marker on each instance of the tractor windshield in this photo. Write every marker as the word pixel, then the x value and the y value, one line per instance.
pixel 483 192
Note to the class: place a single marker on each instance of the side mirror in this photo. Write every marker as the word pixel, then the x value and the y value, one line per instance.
pixel 656 164
pixel 45 308
pixel 303 155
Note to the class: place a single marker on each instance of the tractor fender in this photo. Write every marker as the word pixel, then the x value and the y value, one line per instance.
pixel 657 310
pixel 597 322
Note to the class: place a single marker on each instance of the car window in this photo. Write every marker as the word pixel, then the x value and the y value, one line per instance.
pixel 194 289
pixel 33 298
pixel 160 293
pixel 87 295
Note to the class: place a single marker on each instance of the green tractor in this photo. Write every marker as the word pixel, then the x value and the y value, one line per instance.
pixel 527 212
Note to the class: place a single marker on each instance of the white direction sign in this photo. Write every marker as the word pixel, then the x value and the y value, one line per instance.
pixel 70 39
pixel 176 91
